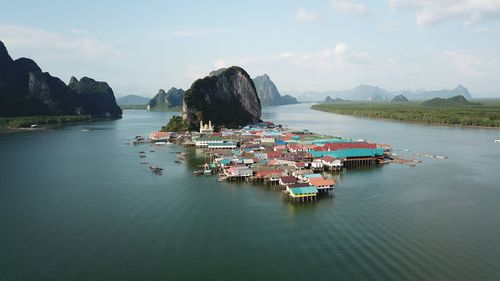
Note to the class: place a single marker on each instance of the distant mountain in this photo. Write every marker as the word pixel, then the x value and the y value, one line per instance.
pixel 374 93
pixel 399 98
pixel 27 91
pixel 328 99
pixel 361 92
pixel 449 102
pixel 268 93
pixel 445 93
pixel 312 96
pixel 288 99
pixel 164 101
pixel 132 100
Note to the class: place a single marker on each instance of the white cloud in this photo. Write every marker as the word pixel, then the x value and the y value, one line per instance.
pixel 304 15
pixel 467 64
pixel 54 45
pixel 342 67
pixel 339 58
pixel 80 31
pixel 220 64
pixel 196 72
pixel 349 7
pixel 430 12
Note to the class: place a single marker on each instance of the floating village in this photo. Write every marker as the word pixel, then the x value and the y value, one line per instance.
pixel 296 162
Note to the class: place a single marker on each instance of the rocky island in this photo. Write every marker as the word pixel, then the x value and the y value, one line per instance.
pixel 227 98
pixel 166 101
pixel 25 90
pixel 268 92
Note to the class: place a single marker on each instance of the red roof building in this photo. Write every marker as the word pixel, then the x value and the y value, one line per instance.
pixel 269 173
pixel 156 136
pixel 273 154
pixel 287 180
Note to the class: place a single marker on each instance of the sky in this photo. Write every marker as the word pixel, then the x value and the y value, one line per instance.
pixel 139 47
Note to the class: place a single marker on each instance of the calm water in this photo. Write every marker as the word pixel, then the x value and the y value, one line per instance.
pixel 76 204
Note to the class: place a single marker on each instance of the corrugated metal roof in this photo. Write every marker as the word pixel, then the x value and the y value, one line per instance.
pixel 303 190
pixel 310 176
pixel 222 144
pixel 345 153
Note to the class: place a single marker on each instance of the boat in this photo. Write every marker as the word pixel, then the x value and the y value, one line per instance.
pixel 178 161
pixel 207 172
pixel 156 170
pixel 497 140
pixel 160 143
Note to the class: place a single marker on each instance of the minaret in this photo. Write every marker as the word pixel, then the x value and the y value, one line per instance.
pixel 201 126
pixel 210 125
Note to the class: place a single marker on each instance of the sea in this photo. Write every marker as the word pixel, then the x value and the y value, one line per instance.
pixel 77 203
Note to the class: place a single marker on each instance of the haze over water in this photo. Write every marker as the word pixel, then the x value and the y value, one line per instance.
pixel 76 204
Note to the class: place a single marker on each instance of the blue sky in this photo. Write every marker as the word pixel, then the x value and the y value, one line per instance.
pixel 141 46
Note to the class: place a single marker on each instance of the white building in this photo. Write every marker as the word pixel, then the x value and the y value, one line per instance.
pixel 222 145
pixel 207 128
pixel 204 142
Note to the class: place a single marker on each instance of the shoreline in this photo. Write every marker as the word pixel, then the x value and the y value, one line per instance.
pixel 408 121
pixel 47 122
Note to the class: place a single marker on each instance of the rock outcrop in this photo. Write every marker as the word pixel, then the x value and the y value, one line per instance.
pixel 227 97
pixel 95 98
pixel 444 93
pixel 455 101
pixel 27 91
pixel 268 93
pixel 329 99
pixel 399 98
pixel 164 101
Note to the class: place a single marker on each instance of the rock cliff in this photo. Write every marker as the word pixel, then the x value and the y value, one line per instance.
pixel 95 98
pixel 268 93
pixel 27 91
pixel 227 97
pixel 164 101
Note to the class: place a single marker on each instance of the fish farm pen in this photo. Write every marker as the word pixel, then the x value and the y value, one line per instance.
pixel 293 162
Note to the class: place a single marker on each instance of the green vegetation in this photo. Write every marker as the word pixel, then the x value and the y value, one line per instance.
pixel 167 101
pixel 486 114
pixel 133 106
pixel 450 102
pixel 176 124
pixel 26 122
